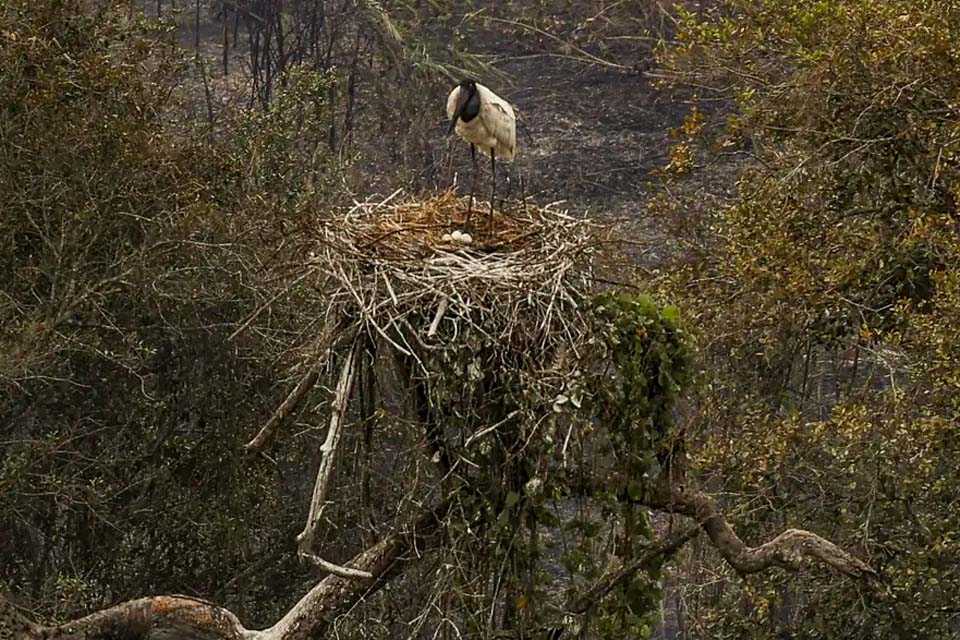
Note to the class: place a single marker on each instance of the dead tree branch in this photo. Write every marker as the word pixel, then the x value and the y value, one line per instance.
pixel 183 618
pixel 786 550
pixel 292 401
pixel 160 617
pixel 338 414
pixel 384 561
pixel 336 569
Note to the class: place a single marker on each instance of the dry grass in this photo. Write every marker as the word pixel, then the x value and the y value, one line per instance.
pixel 417 228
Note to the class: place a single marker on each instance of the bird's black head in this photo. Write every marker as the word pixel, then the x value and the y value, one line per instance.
pixel 468 103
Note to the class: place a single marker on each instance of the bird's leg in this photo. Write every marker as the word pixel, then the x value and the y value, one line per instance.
pixel 523 195
pixel 473 182
pixel 493 193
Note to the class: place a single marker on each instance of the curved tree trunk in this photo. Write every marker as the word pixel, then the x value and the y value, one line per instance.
pixel 786 550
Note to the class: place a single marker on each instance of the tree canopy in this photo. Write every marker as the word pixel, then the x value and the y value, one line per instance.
pixel 523 438
pixel 825 289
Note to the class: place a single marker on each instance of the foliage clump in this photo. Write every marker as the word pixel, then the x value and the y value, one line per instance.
pixel 652 363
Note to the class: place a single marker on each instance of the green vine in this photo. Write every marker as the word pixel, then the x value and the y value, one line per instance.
pixel 648 364
pixel 651 363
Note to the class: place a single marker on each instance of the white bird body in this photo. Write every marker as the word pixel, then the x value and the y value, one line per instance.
pixel 493 129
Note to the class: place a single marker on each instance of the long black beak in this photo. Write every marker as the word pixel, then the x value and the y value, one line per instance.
pixel 461 102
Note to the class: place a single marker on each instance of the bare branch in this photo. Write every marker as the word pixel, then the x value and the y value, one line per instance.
pixel 336 569
pixel 183 618
pixel 309 618
pixel 157 617
pixel 786 550
pixel 338 413
pixel 292 401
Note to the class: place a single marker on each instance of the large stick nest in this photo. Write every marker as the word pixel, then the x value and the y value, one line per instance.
pixel 511 305
pixel 386 262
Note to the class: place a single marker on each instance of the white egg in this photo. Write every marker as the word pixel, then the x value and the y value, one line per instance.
pixel 447 237
pixel 457 236
pixel 466 238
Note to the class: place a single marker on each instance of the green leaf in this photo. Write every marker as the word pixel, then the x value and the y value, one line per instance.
pixel 647 306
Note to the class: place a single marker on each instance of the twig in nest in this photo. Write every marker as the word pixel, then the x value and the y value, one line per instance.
pixel 441 309
pixel 401 230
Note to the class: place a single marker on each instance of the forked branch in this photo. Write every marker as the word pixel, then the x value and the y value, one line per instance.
pixel 184 618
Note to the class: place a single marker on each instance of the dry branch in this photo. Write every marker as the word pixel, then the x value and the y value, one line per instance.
pixel 338 413
pixel 183 618
pixel 293 400
pixel 336 569
pixel 786 550
pixel 385 560
pixel 177 617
